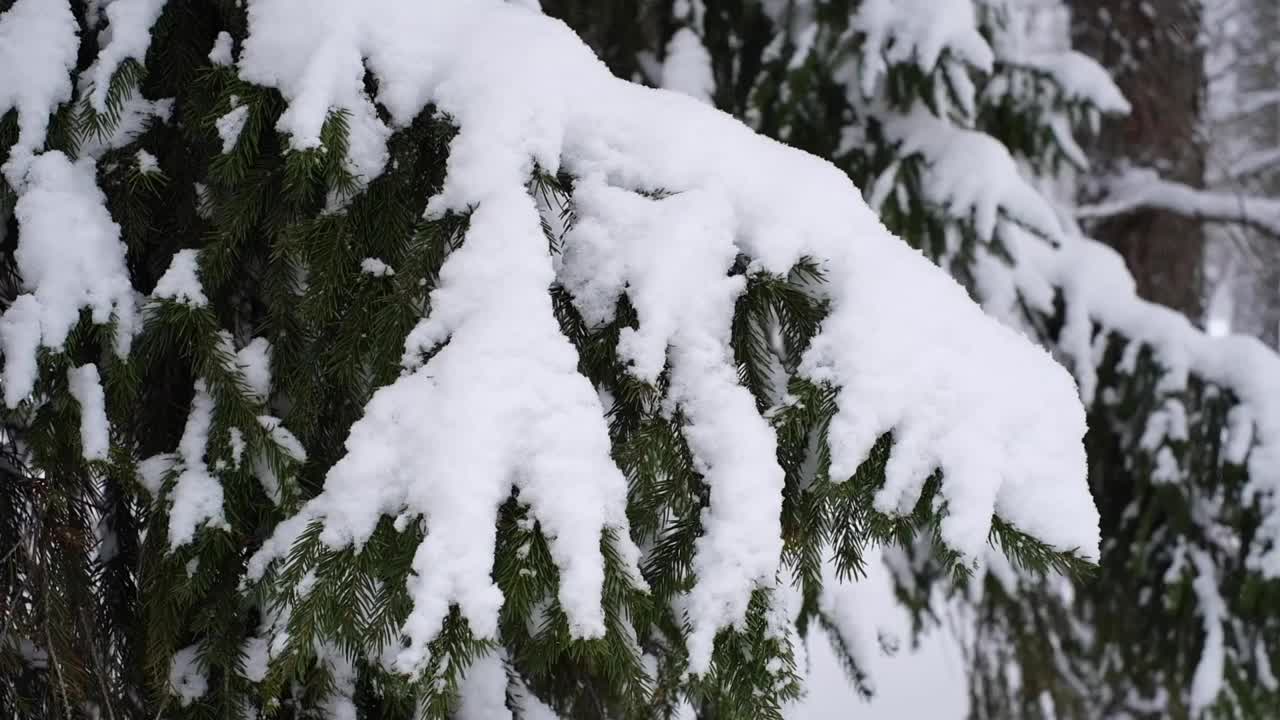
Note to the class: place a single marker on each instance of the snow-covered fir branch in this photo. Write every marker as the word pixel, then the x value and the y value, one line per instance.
pixel 405 358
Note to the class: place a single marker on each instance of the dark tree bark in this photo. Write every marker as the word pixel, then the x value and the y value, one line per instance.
pixel 1151 50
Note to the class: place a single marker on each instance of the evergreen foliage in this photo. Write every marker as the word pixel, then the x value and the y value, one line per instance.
pixel 104 602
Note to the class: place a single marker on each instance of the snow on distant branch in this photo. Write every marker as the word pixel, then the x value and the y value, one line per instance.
pixel 1145 189
pixel 952 154
pixel 919 31
pixel 1077 76
pixel 1100 294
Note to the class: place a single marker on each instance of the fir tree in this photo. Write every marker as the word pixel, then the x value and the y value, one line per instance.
pixel 358 365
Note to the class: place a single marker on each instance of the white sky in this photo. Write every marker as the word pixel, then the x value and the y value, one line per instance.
pixel 925 683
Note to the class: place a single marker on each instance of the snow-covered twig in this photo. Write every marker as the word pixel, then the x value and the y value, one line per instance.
pixel 1147 190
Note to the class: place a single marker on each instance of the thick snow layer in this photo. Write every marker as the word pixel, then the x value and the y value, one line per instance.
pixel 70 257
pixel 1167 423
pixel 670 256
pixel 181 281
pixel 38 46
pixel 312 53
pixel 500 401
pixel 86 388
pixel 127 36
pixel 1239 435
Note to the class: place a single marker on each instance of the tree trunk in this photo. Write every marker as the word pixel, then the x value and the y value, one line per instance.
pixel 1151 50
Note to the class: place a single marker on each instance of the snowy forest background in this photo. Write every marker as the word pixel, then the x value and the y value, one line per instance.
pixel 400 359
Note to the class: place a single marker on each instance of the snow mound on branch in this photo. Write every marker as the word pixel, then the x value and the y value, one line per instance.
pixel 197 495
pixel 1021 39
pixel 919 31
pixel 127 36
pixel 221 52
pixel 1080 79
pixel 313 55
pixel 86 388
pixel 376 267
pixel 500 401
pixel 196 498
pixel 146 162
pixel 670 257
pixel 230 126
pixel 254 363
pixel 181 281
pixel 38 47
pixel 70 257
pixel 951 155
